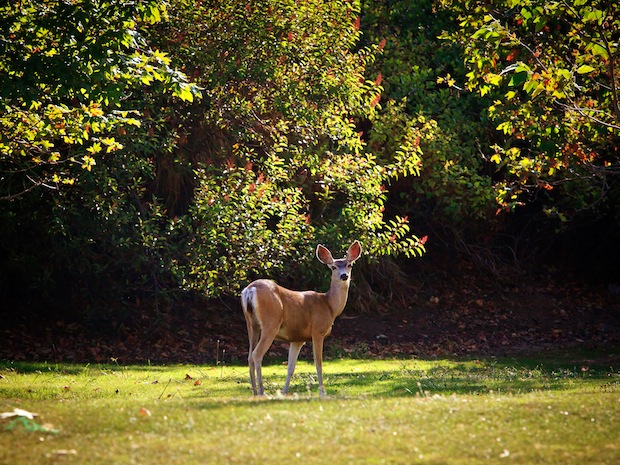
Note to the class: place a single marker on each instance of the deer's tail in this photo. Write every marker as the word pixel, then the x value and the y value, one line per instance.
pixel 248 299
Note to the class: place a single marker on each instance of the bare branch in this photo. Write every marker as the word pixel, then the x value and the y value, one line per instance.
pixel 27 189
pixel 584 112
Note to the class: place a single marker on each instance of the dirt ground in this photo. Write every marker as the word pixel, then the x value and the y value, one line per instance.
pixel 443 312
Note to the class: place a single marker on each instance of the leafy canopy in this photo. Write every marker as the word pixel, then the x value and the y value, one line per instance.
pixel 73 79
pixel 552 69
pixel 166 145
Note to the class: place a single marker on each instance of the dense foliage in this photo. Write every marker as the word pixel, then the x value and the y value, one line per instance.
pixel 83 114
pixel 149 147
pixel 281 164
pixel 120 176
pixel 552 68
pixel 517 165
pixel 454 189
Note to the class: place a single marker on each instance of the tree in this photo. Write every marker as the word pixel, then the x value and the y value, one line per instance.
pixel 552 68
pixel 150 146
pixel 454 193
pixel 80 119
pixel 73 86
pixel 279 160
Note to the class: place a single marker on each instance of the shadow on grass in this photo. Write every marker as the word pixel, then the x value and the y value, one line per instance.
pixel 367 378
pixel 427 378
pixel 461 380
pixel 76 369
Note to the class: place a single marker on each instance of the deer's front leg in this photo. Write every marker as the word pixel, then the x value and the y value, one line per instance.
pixel 317 349
pixel 293 354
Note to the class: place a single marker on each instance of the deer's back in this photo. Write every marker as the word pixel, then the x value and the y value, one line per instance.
pixel 297 314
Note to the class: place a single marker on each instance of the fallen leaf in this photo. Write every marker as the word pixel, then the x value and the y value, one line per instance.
pixel 144 412
pixel 188 377
pixel 197 382
pixel 18 412
pixel 64 452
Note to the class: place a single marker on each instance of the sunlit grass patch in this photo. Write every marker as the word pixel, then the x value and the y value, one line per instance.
pixel 379 411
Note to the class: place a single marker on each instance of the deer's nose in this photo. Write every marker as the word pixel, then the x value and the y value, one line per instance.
pixel 344 276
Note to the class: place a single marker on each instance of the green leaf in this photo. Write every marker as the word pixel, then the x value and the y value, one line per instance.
pixel 599 50
pixel 540 22
pixel 517 79
pixel 564 73
pixel 506 127
pixel 593 15
pixel 493 79
pixel 525 14
pixel 584 69
pixel 522 67
pixel 530 86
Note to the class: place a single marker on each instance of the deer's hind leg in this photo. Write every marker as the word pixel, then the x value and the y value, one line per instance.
pixel 253 337
pixel 267 336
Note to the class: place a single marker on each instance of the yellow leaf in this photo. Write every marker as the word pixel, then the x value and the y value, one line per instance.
pixel 96 111
pixel 88 162
pixel 95 148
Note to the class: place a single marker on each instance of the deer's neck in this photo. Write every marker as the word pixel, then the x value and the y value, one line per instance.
pixel 337 296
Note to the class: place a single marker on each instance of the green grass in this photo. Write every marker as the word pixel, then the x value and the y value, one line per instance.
pixel 379 411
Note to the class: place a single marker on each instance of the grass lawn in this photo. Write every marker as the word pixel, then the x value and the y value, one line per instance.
pixel 534 411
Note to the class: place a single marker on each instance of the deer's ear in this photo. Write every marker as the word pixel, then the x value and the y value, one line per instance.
pixel 324 255
pixel 354 252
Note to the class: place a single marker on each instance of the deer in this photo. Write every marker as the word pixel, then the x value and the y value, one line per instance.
pixel 275 312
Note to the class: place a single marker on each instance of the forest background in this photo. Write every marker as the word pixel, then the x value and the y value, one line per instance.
pixel 156 156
